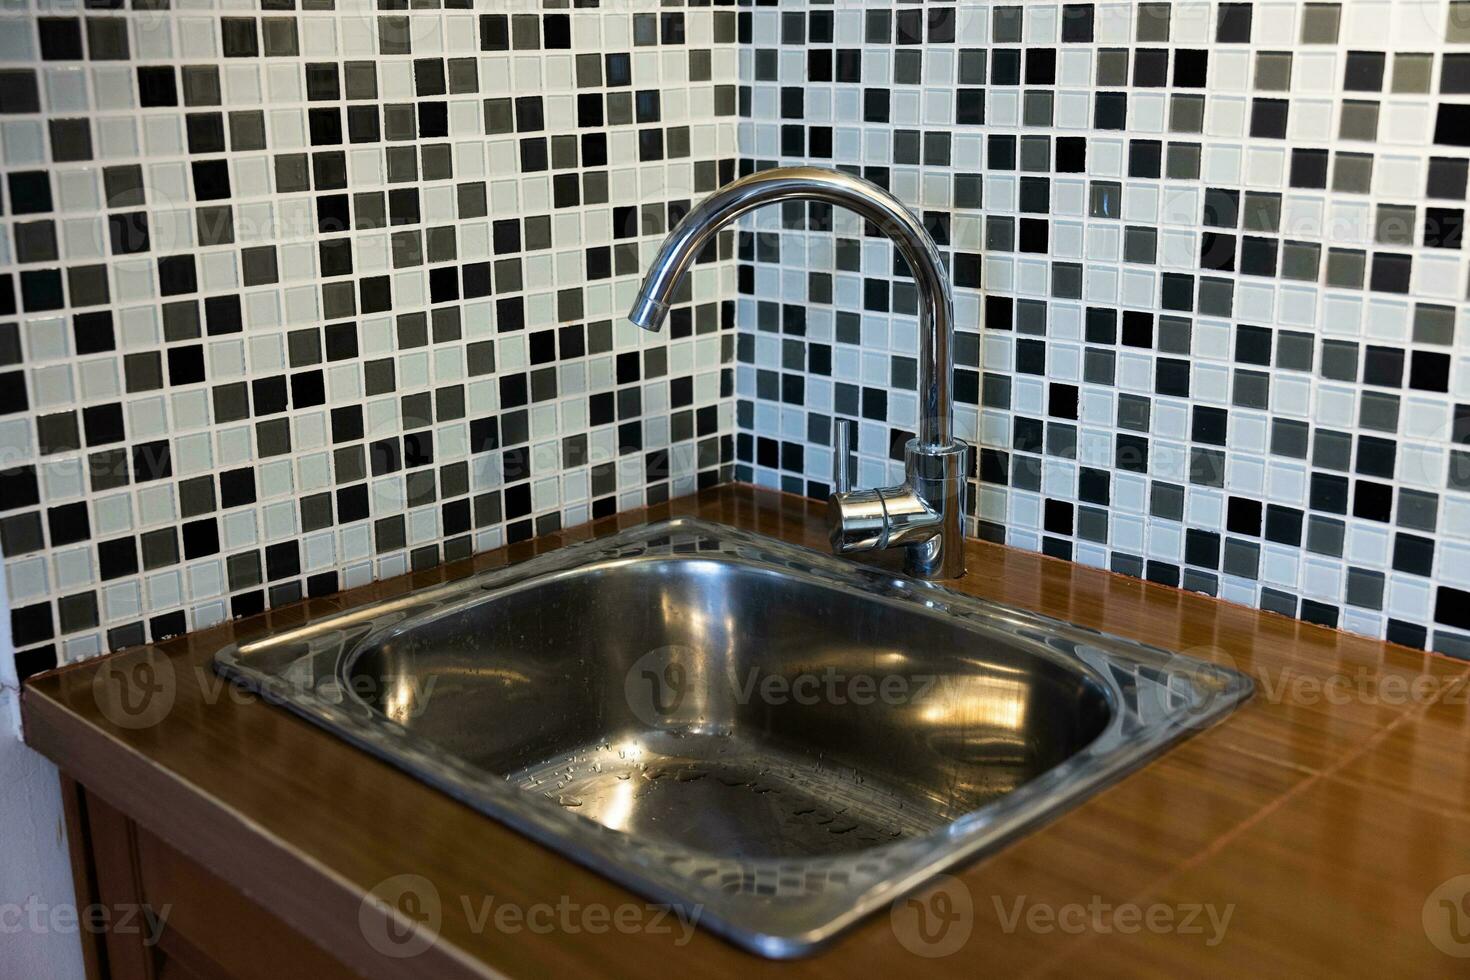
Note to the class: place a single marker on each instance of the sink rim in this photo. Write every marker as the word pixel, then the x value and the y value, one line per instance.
pixel 304 666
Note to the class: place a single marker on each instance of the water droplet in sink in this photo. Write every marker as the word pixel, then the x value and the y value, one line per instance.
pixel 569 801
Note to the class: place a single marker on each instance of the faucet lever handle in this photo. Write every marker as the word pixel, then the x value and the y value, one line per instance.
pixel 844 434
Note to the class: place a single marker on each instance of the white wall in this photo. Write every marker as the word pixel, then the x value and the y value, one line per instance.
pixel 35 873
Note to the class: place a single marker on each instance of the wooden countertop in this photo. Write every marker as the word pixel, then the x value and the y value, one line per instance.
pixel 1321 817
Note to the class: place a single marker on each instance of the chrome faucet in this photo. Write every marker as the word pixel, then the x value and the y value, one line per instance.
pixel 925 514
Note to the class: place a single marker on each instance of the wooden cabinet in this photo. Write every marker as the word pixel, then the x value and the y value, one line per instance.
pixel 159 915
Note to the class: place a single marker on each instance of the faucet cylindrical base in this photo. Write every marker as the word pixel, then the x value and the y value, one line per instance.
pixel 939 478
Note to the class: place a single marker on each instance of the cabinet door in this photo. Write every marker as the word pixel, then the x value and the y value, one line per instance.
pixel 171 917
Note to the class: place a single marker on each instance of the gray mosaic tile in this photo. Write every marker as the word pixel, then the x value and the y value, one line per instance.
pixel 1306 248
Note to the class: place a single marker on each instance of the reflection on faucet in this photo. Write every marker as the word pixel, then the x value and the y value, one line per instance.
pixel 924 514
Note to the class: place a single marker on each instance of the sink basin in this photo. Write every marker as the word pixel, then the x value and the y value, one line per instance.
pixel 778 741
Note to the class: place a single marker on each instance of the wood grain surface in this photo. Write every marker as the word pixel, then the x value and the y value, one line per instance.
pixel 1321 818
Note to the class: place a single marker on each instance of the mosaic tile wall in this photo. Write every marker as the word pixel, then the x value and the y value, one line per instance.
pixel 292 297
pixel 1226 342
pixel 298 295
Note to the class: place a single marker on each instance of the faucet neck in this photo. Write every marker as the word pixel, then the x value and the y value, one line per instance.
pixel 936 301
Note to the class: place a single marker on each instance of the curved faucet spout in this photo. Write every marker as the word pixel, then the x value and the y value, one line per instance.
pixel 925 514
pixel 936 303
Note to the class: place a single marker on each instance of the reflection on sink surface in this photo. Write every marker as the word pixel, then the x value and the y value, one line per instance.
pixel 777 740
pixel 730 707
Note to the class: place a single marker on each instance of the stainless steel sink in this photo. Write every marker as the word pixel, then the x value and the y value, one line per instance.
pixel 776 740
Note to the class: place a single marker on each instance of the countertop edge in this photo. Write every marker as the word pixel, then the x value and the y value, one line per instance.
pixel 292 883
